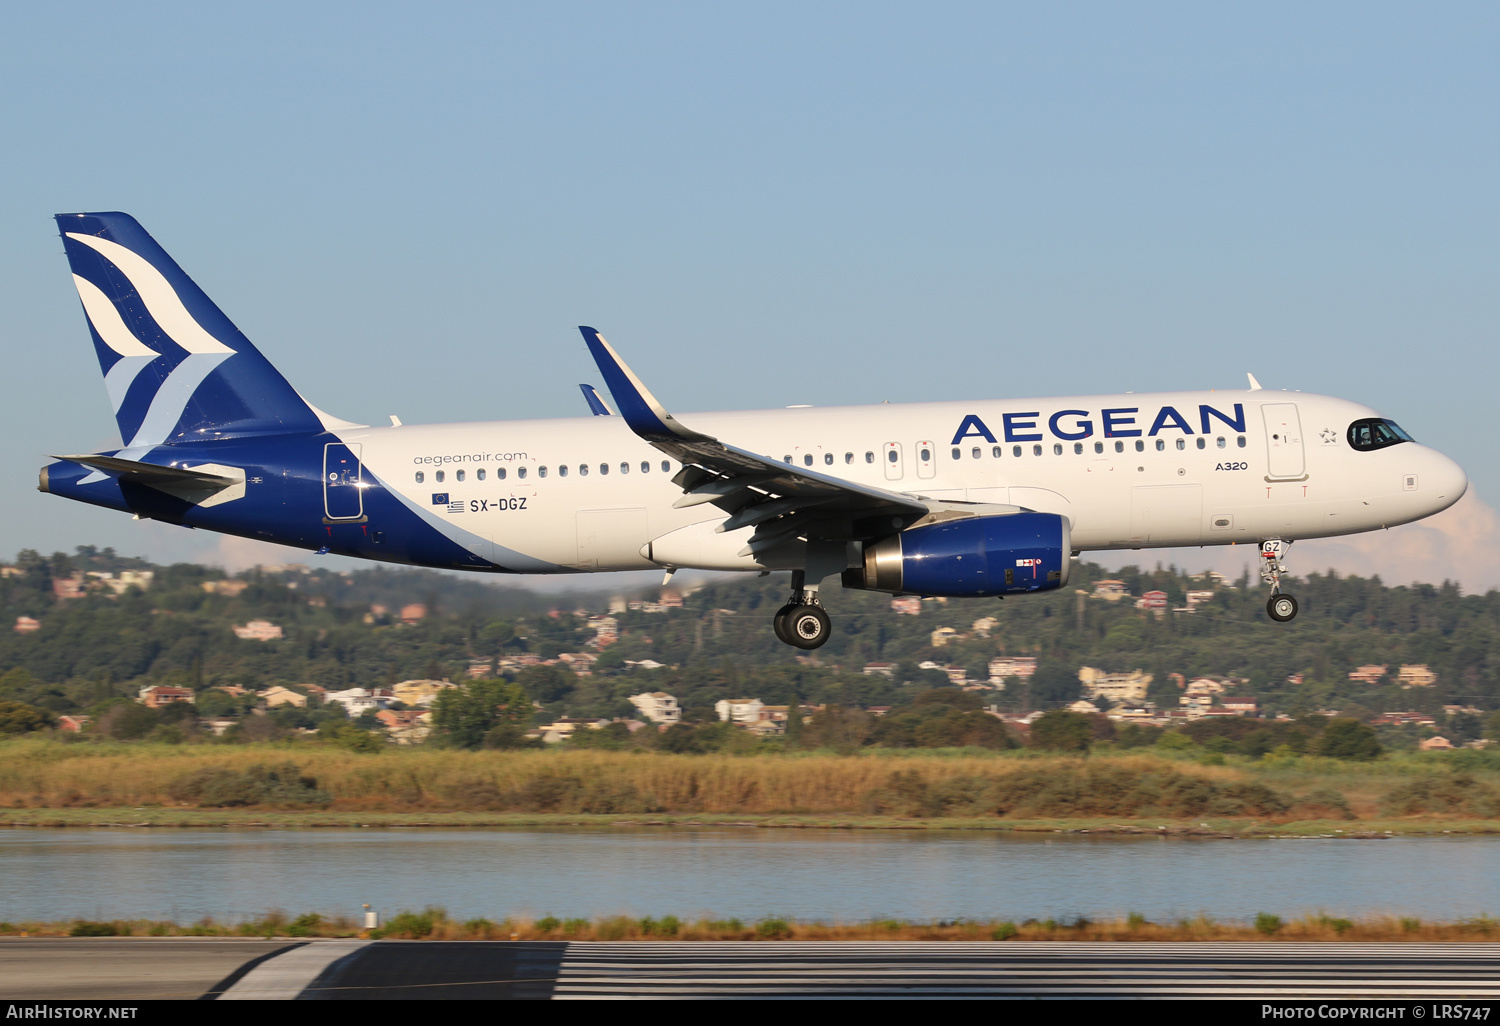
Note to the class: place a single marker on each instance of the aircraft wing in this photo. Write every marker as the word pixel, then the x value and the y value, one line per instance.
pixel 781 501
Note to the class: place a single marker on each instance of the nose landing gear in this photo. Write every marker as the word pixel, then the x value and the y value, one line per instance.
pixel 802 623
pixel 1279 607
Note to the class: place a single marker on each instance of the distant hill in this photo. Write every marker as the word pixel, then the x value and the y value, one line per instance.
pixel 719 644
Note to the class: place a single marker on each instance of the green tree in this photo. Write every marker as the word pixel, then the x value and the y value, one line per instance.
pixel 20 718
pixel 794 722
pixel 836 726
pixel 1492 726
pixel 1062 731
pixel 462 717
pixel 1349 739
pixel 128 721
pixel 547 684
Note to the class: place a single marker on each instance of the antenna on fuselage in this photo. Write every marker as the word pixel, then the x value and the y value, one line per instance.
pixel 1254 385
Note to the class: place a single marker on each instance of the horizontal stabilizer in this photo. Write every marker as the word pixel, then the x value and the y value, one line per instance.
pixel 197 485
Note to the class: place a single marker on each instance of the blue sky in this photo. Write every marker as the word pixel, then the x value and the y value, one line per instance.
pixel 409 207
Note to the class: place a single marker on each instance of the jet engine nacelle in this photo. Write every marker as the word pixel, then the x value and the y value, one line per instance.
pixel 970 557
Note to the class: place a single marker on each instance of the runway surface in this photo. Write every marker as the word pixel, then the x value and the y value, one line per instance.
pixel 122 968
pixel 324 970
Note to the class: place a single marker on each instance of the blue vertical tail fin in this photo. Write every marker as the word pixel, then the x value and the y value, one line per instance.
pixel 176 368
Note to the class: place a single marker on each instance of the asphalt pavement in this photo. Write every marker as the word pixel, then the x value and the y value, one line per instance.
pixel 333 970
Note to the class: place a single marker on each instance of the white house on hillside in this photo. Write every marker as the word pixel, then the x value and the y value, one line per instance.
pixel 360 700
pixel 657 706
pixel 739 710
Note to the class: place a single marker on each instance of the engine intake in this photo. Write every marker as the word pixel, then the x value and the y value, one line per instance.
pixel 970 558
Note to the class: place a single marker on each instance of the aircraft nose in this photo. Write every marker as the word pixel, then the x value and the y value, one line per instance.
pixel 1445 480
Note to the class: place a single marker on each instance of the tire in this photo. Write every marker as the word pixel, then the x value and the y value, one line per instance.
pixel 808 627
pixel 778 624
pixel 1281 608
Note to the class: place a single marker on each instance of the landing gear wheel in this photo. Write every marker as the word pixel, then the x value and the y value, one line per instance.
pixel 778 624
pixel 1281 608
pixel 807 626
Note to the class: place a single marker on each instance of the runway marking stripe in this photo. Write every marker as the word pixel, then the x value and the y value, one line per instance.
pixel 893 969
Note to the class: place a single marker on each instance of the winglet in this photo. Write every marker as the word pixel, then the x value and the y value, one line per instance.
pixel 1254 385
pixel 596 404
pixel 646 417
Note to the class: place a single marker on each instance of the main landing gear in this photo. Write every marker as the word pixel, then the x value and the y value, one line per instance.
pixel 1279 607
pixel 802 622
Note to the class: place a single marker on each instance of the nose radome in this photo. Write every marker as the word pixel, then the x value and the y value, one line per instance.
pixel 1446 481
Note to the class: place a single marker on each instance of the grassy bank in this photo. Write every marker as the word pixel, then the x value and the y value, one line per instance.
pixel 299 819
pixel 435 924
pixel 44 781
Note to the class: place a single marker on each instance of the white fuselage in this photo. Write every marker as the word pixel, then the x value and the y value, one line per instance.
pixel 1129 471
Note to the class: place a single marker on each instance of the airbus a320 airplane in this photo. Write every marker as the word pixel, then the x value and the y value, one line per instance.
pixel 945 499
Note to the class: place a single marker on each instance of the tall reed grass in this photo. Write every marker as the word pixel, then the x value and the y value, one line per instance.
pixel 50 774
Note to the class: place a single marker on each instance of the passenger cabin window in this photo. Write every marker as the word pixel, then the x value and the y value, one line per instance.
pixel 541 471
pixel 828 459
pixel 958 453
pixel 1182 443
pixel 807 459
pixel 603 469
pixel 624 468
pixel 479 473
pixel 975 452
pixel 1077 448
pixel 666 468
pixel 1220 441
pixel 848 457
pixel 645 466
pixel 1119 447
pixel 521 472
pixel 1098 447
pixel 996 451
pixel 786 459
pixel 1203 443
pixel 869 457
pixel 1161 444
pixel 562 471
pixel 421 477
pixel 1369 435
pixel 458 475
pixel 1036 450
pixel 583 470
pixel 1240 441
pixel 1015 450
pixel 438 477
pixel 1057 448
pixel 1140 446
pixel 499 473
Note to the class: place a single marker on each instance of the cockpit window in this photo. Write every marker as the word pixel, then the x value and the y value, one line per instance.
pixel 1368 435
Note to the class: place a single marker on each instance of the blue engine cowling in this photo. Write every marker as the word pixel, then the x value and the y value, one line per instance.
pixel 971 557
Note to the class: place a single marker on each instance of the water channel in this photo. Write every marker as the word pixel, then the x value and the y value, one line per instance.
pixel 748 873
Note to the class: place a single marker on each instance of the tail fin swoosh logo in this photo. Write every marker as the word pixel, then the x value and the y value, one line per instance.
pixel 161 300
pixel 111 328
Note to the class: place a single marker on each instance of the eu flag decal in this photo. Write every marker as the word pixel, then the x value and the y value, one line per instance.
pixel 440 498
